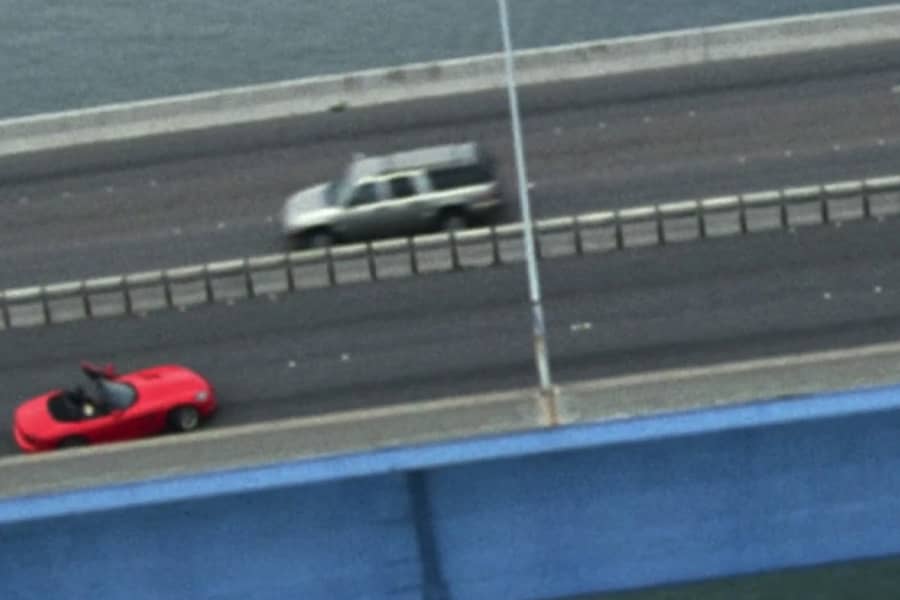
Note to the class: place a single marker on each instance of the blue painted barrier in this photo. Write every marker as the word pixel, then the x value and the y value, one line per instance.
pixel 542 514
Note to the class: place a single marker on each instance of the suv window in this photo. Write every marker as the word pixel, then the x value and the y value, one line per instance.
pixel 364 194
pixel 455 177
pixel 402 187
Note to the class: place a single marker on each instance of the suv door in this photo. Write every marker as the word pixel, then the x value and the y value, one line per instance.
pixel 363 214
pixel 404 205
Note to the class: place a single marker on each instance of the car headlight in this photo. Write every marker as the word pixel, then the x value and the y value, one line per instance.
pixel 201 396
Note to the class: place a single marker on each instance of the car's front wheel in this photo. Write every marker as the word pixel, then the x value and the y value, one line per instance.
pixel 184 418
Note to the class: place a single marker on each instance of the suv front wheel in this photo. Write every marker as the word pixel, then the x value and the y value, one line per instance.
pixel 321 238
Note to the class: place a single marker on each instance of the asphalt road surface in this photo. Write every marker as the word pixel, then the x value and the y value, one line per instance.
pixel 409 340
pixel 591 145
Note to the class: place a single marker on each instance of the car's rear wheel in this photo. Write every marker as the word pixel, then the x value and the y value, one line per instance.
pixel 453 220
pixel 74 441
pixel 184 418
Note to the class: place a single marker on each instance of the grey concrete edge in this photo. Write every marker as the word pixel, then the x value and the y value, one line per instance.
pixel 125 121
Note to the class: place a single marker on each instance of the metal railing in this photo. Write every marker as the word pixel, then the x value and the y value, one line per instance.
pixel 593 233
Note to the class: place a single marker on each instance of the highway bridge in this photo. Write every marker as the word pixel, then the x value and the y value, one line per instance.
pixel 593 144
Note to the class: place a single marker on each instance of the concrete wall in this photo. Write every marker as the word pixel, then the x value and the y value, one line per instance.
pixel 291 98
pixel 535 515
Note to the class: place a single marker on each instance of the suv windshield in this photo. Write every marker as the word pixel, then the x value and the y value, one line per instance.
pixel 115 394
pixel 340 187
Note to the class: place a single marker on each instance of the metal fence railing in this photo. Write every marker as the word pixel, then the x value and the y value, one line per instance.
pixel 593 233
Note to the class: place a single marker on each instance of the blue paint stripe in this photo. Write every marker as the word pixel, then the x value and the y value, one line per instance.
pixel 300 472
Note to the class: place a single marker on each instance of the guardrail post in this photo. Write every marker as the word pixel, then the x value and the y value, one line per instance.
pixel 742 215
pixel 248 280
pixel 4 309
pixel 126 295
pixel 660 226
pixel 620 235
pixel 454 252
pixel 783 211
pixel 329 265
pixel 207 285
pixel 701 221
pixel 45 305
pixel 370 256
pixel 826 213
pixel 413 257
pixel 86 302
pixel 495 246
pixel 576 234
pixel 167 290
pixel 866 204
pixel 289 274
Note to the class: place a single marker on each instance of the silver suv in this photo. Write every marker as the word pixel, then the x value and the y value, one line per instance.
pixel 404 193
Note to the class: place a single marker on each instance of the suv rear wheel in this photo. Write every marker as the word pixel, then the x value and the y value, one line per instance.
pixel 321 238
pixel 453 220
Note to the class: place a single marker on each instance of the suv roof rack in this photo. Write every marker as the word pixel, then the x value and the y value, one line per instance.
pixel 420 158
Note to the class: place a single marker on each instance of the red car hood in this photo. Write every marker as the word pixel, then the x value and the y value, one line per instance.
pixel 166 383
pixel 33 416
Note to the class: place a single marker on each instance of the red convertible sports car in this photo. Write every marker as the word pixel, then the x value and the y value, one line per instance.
pixel 118 407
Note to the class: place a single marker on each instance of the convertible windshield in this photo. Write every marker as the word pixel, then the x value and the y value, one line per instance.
pixel 115 394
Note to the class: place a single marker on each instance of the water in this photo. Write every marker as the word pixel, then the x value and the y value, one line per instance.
pixel 57 55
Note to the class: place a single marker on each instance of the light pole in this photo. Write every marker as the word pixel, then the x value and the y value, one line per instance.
pixel 534 284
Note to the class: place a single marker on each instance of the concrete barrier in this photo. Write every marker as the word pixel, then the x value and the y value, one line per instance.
pixel 201 111
pixel 596 233
pixel 542 513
